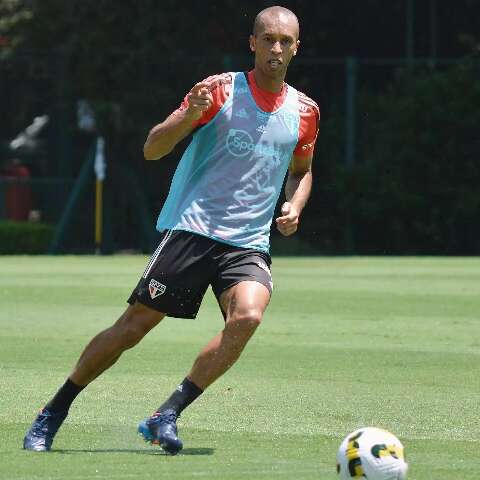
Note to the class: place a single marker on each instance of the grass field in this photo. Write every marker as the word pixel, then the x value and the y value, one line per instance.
pixel 346 342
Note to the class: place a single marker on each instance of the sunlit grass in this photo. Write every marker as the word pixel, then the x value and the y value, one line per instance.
pixel 346 342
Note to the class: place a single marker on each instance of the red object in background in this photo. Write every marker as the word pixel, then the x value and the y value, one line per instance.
pixel 18 194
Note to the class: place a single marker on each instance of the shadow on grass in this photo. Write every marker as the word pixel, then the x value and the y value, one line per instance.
pixel 140 451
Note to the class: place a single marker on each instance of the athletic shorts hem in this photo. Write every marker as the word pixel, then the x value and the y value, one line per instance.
pixel 224 288
pixel 134 298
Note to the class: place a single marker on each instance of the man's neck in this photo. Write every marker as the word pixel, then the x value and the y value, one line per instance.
pixel 269 84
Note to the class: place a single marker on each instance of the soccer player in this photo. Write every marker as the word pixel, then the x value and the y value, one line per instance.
pixel 248 129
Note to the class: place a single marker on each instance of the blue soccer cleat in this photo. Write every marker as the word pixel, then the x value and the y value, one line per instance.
pixel 161 429
pixel 40 436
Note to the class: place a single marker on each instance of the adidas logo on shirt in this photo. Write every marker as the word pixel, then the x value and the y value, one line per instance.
pixel 242 113
pixel 261 128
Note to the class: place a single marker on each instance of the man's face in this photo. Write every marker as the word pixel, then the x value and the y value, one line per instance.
pixel 275 43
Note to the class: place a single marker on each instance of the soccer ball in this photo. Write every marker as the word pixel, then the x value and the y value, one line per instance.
pixel 372 454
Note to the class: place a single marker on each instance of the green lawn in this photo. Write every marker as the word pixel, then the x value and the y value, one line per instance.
pixel 346 342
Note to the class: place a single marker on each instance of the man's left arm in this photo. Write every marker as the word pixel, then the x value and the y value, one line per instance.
pixel 297 192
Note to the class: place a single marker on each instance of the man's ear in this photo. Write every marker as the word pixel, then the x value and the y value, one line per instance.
pixel 252 43
pixel 298 45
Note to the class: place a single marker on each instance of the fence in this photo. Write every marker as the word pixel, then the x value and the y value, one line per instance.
pixel 335 83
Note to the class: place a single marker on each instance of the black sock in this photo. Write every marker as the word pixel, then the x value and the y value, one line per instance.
pixel 64 397
pixel 182 397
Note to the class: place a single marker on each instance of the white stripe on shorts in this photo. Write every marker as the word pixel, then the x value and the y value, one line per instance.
pixel 157 252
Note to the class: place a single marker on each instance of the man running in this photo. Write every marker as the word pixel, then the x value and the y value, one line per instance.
pixel 248 129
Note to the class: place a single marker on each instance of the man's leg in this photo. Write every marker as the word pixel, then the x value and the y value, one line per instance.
pixel 105 348
pixel 99 355
pixel 243 305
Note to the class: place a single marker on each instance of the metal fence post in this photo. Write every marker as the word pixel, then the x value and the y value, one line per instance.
pixel 63 113
pixel 227 62
pixel 433 31
pixel 410 32
pixel 351 67
pixel 61 230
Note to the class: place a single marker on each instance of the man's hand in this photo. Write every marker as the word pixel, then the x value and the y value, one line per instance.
pixel 199 100
pixel 287 224
pixel 163 137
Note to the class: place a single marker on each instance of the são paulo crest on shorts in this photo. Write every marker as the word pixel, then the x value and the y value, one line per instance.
pixel 156 288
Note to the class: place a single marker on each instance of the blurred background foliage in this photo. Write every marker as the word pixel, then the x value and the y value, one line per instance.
pixel 410 186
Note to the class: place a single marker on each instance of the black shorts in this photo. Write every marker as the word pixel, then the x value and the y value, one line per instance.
pixel 185 264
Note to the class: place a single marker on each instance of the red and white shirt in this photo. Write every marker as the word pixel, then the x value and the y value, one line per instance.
pixel 220 86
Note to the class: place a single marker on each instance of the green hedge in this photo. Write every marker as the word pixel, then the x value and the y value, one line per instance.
pixel 24 237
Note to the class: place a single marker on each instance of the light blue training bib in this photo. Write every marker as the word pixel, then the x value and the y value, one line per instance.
pixel 228 180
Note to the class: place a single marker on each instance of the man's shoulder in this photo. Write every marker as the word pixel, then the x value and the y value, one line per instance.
pixel 308 105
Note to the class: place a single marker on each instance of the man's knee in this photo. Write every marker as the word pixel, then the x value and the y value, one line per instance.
pixel 134 324
pixel 245 320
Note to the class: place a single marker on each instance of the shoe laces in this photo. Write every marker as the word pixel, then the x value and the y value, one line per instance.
pixel 168 416
pixel 48 422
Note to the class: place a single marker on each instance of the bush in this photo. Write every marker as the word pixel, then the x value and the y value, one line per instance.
pixel 24 237
pixel 414 187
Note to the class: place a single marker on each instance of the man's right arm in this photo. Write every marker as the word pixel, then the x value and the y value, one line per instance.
pixel 163 137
